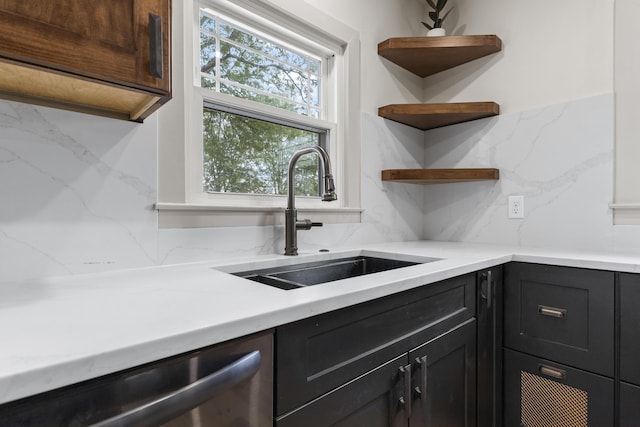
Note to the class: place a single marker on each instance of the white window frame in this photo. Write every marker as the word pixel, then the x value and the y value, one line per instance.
pixel 181 201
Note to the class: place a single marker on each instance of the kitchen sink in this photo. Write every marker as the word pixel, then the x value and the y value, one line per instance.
pixel 314 273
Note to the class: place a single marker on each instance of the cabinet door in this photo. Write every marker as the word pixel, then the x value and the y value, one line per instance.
pixel 538 392
pixel 444 380
pixel 375 399
pixel 105 40
pixel 318 354
pixel 630 328
pixel 489 339
pixel 629 405
pixel 560 313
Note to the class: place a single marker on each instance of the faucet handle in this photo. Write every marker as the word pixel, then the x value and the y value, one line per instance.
pixel 306 224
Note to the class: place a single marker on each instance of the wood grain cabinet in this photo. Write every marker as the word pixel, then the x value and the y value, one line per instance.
pixel 404 360
pixel 109 58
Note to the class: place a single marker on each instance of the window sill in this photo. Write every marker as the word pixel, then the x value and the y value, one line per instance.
pixel 626 213
pixel 183 215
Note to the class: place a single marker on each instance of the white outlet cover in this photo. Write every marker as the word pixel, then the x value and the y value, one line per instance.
pixel 516 207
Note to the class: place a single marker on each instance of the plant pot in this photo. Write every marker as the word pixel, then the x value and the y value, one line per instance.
pixel 436 32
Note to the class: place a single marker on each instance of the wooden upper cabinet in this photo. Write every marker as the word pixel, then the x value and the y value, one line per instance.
pixel 111 58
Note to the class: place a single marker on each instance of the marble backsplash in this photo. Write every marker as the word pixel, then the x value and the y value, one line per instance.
pixel 77 192
pixel 560 158
pixel 77 195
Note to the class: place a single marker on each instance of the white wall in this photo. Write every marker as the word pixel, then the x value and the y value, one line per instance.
pixel 553 52
pixel 627 65
pixel 377 20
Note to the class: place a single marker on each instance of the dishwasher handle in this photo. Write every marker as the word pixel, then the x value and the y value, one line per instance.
pixel 186 398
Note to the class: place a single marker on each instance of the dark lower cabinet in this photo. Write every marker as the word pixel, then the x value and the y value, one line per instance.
pixel 369 400
pixel 539 392
pixel 560 348
pixel 444 380
pixel 322 353
pixel 561 313
pixel 630 328
pixel 489 347
pixel 629 405
pixel 432 385
pixel 629 350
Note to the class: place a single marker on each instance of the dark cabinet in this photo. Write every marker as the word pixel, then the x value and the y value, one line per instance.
pixel 370 364
pixel 432 385
pixel 321 353
pixel 540 392
pixel 489 347
pixel 629 350
pixel 369 400
pixel 559 329
pixel 109 58
pixel 630 328
pixel 561 313
pixel 629 405
pixel 444 380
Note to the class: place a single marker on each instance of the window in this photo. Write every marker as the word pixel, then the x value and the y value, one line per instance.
pixel 262 83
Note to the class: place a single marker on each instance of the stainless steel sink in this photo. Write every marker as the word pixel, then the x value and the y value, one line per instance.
pixel 314 273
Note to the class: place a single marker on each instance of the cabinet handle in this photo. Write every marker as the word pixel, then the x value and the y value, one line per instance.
pixel 559 313
pixel 155 45
pixel 558 374
pixel 421 390
pixel 172 405
pixel 487 290
pixel 405 399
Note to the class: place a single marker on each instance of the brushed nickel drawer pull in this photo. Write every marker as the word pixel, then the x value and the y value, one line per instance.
pixel 405 399
pixel 560 313
pixel 558 374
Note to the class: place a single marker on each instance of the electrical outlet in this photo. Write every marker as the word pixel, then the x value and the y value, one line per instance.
pixel 516 207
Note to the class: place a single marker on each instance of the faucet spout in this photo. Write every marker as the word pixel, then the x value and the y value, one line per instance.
pixel 327 189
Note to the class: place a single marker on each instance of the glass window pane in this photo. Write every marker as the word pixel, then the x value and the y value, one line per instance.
pixel 207 53
pixel 255 68
pixel 246 155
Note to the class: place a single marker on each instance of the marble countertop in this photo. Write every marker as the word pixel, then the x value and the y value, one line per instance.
pixel 59 331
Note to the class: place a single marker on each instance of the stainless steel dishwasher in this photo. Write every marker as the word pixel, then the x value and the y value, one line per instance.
pixel 226 385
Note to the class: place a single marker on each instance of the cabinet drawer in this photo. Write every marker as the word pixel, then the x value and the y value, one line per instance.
pixel 540 392
pixel 318 354
pixel 561 313
pixel 630 328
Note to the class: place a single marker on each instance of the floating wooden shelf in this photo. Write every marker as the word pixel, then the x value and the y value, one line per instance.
pixel 439 176
pixel 425 56
pixel 430 116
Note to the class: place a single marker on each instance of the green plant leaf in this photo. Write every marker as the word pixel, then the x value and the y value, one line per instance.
pixel 431 3
pixel 446 14
pixel 429 27
pixel 440 5
pixel 433 16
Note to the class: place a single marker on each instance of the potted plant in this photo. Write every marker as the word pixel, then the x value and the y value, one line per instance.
pixel 435 29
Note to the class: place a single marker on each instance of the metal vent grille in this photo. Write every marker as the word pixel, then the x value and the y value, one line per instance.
pixel 546 403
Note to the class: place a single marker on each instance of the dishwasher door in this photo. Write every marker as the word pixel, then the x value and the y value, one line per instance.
pixel 226 385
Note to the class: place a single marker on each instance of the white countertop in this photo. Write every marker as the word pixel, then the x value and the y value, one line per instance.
pixel 59 331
